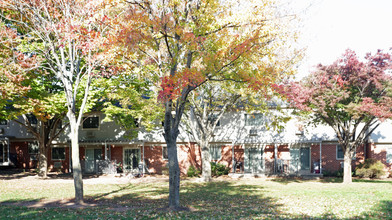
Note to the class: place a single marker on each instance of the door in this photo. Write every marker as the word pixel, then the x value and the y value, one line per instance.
pixel 304 154
pixel 294 160
pixel 4 157
pixel 131 158
pixel 300 159
pixel 92 155
pixel 254 160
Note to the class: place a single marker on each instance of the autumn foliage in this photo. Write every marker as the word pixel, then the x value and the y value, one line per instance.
pixel 351 96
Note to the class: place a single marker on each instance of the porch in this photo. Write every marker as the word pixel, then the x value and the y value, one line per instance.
pixel 294 159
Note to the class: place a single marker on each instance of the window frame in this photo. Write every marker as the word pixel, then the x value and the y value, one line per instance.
pixel 163 153
pixel 53 148
pixel 212 158
pixel 337 158
pixel 91 116
pixel 3 122
pixel 388 150
pixel 33 155
pixel 212 118
pixel 32 119
pixel 252 123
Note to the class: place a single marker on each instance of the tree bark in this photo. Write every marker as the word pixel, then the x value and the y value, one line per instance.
pixel 174 173
pixel 76 166
pixel 42 137
pixel 205 160
pixel 43 161
pixel 348 155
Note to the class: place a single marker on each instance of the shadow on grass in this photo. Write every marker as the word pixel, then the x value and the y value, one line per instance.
pixel 215 200
pixel 287 180
pixel 382 211
pixel 10 174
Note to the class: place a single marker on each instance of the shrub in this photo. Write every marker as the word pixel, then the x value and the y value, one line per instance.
pixel 338 173
pixel 218 169
pixel 192 171
pixel 371 168
pixel 165 169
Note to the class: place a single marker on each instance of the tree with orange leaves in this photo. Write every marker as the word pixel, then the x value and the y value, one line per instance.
pixel 183 44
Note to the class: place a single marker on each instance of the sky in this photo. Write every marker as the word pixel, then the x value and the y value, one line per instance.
pixel 329 27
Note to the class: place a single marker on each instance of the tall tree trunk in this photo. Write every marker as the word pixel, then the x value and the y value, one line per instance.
pixel 174 172
pixel 43 161
pixel 205 160
pixel 76 166
pixel 43 156
pixel 347 178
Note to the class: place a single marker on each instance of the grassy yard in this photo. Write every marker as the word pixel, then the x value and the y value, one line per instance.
pixel 221 199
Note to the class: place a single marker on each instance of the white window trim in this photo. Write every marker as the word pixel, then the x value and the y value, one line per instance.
pixel 217 146
pixel 246 119
pixel 388 149
pixel 31 155
pixel 92 129
pixel 51 156
pixel 167 154
pixel 354 157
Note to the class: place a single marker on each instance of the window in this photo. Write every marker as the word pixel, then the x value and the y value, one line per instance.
pixel 253 120
pixel 215 152
pixel 213 118
pixel 165 156
pixel 340 153
pixel 389 154
pixel 32 119
pixel 3 122
pixel 58 153
pixel 91 122
pixel 33 150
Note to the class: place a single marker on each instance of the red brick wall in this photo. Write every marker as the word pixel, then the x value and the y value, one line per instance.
pixel 64 163
pixel 154 159
pixel 22 155
pixel 116 153
pixel 329 161
pixel 227 155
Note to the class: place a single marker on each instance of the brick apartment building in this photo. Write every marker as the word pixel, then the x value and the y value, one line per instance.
pixel 239 138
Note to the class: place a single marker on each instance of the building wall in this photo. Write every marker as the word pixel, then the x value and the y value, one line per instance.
pixel 330 161
pixel 379 152
pixel 227 155
pixel 64 163
pixel 154 159
pixel 19 150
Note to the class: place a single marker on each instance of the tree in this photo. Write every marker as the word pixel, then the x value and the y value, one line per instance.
pixel 43 102
pixel 129 101
pixel 184 44
pixel 351 96
pixel 29 92
pixel 73 45
pixel 207 104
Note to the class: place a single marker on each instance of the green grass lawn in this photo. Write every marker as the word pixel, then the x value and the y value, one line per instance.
pixel 221 199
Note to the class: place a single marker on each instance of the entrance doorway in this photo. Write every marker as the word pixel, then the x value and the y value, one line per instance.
pixel 92 155
pixel 254 162
pixel 300 160
pixel 131 158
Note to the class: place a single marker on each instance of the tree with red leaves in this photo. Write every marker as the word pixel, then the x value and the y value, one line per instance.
pixel 351 96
